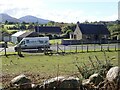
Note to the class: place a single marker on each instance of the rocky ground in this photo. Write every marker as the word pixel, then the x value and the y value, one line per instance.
pixel 111 81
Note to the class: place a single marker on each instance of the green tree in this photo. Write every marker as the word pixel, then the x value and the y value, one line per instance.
pixel 6 22
pixel 51 23
pixel 114 30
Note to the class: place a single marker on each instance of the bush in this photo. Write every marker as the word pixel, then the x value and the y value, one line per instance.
pixel 99 67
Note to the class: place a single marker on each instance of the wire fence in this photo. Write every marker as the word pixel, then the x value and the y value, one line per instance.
pixel 84 48
pixel 58 49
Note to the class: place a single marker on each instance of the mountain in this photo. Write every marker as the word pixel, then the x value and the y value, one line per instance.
pixel 4 17
pixel 27 19
pixel 34 19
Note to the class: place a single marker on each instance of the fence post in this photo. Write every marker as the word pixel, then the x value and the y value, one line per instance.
pixel 57 47
pixel 44 49
pixel 76 49
pixel 64 48
pixel 47 49
pixel 101 47
pixel 94 46
pixel 19 51
pixel 87 47
pixel 5 46
pixel 115 47
pixel 82 46
pixel 70 47
pixel 108 46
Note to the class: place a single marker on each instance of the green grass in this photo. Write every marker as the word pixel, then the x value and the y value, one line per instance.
pixel 55 41
pixel 10 31
pixel 9 43
pixel 40 67
pixel 8 26
pixel 49 64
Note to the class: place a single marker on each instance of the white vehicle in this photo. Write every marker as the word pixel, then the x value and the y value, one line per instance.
pixel 33 43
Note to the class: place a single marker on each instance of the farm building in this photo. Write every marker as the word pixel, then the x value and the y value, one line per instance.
pixel 48 30
pixel 17 37
pixel 90 32
pixel 27 34
pixel 14 37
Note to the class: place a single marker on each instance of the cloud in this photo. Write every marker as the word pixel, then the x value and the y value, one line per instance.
pixel 18 8
pixel 67 1
pixel 111 17
pixel 68 15
pixel 6 5
pixel 41 9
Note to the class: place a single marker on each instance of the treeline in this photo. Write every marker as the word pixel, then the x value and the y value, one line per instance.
pixel 66 28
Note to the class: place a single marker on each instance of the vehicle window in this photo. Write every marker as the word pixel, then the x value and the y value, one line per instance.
pixel 23 42
pixel 46 41
pixel 40 41
pixel 27 41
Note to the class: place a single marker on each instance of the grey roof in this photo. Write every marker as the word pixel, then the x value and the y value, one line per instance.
pixel 48 29
pixel 93 29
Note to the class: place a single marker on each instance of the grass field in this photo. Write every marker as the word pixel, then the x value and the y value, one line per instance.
pixel 49 66
pixel 55 41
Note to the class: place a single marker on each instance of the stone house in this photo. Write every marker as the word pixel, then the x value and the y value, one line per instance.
pixel 90 32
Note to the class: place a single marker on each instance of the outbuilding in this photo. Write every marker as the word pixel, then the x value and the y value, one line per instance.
pixel 14 37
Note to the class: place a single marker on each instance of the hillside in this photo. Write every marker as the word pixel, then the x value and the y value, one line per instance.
pixel 34 19
pixel 5 17
pixel 27 19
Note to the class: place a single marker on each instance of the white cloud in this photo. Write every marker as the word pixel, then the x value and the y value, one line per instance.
pixel 64 1
pixel 6 5
pixel 111 17
pixel 64 16
pixel 21 3
pixel 18 8
pixel 39 8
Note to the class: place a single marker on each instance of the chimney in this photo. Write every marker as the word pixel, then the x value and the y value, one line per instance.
pixel 78 22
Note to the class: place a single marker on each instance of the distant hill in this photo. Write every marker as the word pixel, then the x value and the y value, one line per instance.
pixel 27 19
pixel 4 17
pixel 34 19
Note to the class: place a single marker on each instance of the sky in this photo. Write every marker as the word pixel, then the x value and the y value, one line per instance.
pixel 69 11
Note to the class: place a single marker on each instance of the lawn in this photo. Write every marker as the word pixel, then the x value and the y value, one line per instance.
pixel 49 66
pixel 55 41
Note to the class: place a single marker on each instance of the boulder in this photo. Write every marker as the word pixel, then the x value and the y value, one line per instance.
pixel 96 78
pixel 70 82
pixel 93 79
pixel 53 82
pixel 62 82
pixel 21 81
pixel 113 74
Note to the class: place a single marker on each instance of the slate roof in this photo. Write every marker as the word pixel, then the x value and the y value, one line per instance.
pixel 48 29
pixel 93 29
